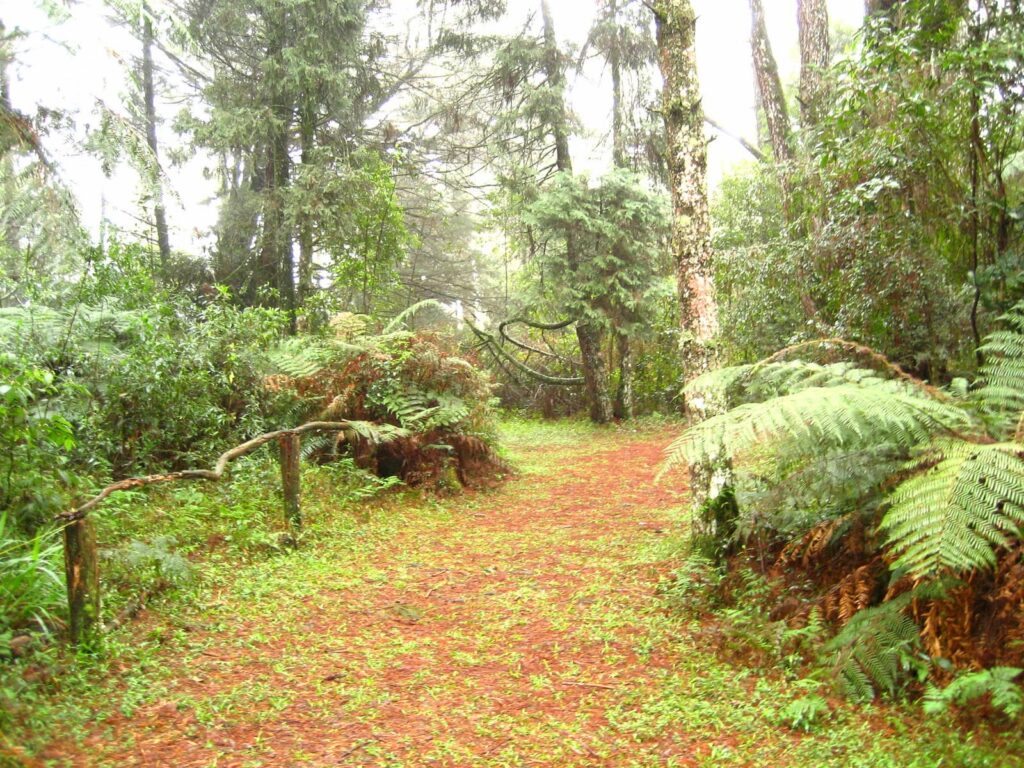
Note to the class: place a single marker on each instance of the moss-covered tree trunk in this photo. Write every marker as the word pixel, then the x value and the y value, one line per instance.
pixel 687 164
pixel 691 243
pixel 812 20
pixel 769 86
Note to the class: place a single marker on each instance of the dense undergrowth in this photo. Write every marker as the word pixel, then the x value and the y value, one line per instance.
pixel 883 514
pixel 133 378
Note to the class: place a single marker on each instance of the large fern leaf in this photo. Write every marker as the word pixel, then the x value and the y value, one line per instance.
pixel 958 512
pixel 818 420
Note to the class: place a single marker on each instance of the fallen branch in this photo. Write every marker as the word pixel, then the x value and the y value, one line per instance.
pixel 79 512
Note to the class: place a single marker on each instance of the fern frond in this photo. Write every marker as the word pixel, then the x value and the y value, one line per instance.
pixel 298 357
pixel 958 512
pixel 377 433
pixel 1001 394
pixel 870 648
pixel 817 420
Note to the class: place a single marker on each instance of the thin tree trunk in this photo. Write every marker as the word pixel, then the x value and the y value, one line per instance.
pixel 149 97
pixel 687 161
pixel 589 335
pixel 812 19
pixel 276 260
pixel 769 86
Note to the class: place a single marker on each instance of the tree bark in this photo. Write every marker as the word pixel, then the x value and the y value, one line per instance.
pixel 276 267
pixel 305 287
pixel 769 86
pixel 691 245
pixel 291 481
pixel 622 408
pixel 812 19
pixel 149 99
pixel 588 334
pixel 82 573
pixel 687 162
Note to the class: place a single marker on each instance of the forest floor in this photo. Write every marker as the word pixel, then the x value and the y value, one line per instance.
pixel 522 626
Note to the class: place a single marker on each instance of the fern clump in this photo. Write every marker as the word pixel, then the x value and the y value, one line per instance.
pixel 935 477
pixel 417 382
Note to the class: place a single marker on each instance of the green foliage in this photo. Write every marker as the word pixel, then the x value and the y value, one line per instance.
pixel 900 227
pixel 813 444
pixel 875 650
pixel 998 684
pixel 155 560
pixel 35 445
pixel 31 579
pixel 858 412
pixel 415 382
pixel 804 713
pixel 618 228
pixel 956 514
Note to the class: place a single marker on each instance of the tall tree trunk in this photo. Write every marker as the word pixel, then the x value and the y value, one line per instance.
pixel 588 334
pixel 691 247
pixel 615 64
pixel 624 393
pixel 769 86
pixel 623 405
pixel 812 19
pixel 687 162
pixel 149 98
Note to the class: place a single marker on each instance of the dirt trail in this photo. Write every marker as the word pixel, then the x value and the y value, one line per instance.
pixel 502 633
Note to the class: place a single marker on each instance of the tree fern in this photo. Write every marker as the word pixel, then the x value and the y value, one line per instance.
pixel 818 419
pixel 956 513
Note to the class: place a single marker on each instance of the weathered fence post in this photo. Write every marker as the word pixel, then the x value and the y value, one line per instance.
pixel 291 455
pixel 82 570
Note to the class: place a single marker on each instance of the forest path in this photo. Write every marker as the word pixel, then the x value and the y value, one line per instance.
pixel 514 627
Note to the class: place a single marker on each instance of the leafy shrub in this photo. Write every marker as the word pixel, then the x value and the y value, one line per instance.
pixel 31 580
pixel 34 446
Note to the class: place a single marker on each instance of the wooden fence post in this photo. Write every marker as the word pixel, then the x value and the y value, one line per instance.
pixel 291 470
pixel 82 570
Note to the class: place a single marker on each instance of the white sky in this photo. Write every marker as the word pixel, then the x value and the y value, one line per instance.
pixel 74 64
